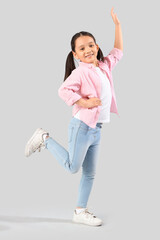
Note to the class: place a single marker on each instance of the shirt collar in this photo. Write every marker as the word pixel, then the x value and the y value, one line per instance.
pixel 90 65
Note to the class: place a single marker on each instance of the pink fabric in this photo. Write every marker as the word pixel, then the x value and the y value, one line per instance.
pixel 84 82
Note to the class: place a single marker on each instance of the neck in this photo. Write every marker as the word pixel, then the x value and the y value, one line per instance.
pixel 96 64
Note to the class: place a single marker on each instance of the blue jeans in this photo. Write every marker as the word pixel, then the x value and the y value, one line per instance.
pixel 83 145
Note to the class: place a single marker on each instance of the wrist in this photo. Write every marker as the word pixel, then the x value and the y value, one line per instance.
pixel 82 102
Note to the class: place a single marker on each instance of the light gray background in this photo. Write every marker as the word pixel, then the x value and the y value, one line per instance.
pixel 37 196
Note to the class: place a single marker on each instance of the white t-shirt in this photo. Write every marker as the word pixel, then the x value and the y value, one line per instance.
pixel 106 97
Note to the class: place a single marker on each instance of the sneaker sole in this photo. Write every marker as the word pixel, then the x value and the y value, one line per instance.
pixel 30 142
pixel 81 222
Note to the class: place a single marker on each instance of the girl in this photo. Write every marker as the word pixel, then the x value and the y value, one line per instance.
pixel 89 89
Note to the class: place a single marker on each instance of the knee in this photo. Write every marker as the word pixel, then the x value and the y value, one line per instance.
pixel 74 170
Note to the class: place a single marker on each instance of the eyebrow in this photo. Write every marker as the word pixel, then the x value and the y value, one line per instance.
pixel 83 45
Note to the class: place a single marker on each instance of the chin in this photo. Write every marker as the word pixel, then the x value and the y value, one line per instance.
pixel 89 61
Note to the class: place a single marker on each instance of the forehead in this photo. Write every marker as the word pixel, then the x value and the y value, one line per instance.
pixel 83 40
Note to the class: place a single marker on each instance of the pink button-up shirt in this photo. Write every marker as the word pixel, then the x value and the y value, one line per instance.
pixel 84 82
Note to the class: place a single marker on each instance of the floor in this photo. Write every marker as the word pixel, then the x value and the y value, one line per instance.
pixel 26 226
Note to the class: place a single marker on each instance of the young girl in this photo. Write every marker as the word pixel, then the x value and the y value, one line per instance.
pixel 89 89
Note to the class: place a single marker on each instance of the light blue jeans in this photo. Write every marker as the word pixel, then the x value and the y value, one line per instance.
pixel 83 146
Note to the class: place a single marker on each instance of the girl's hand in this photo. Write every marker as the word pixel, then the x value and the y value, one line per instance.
pixel 93 102
pixel 114 17
pixel 89 103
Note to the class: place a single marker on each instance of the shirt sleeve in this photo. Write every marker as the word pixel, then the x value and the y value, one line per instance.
pixel 113 57
pixel 68 90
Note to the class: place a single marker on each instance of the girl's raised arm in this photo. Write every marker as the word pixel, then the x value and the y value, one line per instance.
pixel 118 32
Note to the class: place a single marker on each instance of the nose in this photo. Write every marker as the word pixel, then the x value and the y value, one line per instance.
pixel 88 50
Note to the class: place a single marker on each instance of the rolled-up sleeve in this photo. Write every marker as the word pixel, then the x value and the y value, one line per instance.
pixel 113 57
pixel 68 90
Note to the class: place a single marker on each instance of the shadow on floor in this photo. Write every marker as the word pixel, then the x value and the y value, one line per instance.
pixel 20 219
pixel 4 228
pixel 16 219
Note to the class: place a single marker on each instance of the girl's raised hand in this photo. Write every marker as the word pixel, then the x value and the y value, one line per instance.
pixel 114 17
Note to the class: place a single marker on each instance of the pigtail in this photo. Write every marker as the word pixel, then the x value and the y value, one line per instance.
pixel 70 66
pixel 100 55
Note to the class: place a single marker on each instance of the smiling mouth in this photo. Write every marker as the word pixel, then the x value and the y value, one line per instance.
pixel 89 55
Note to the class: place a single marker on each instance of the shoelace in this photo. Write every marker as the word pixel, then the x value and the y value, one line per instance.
pixel 91 215
pixel 41 146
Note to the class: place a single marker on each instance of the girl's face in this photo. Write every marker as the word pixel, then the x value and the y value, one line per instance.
pixel 86 50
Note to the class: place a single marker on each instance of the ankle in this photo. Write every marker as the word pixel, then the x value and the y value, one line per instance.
pixel 79 210
pixel 45 136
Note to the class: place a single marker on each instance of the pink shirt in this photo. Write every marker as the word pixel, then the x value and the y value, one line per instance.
pixel 84 82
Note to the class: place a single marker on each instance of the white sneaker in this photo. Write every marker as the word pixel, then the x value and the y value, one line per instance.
pixel 35 142
pixel 86 217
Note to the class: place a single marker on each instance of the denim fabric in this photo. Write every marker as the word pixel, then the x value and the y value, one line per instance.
pixel 83 146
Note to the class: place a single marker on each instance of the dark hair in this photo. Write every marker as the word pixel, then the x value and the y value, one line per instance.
pixel 70 66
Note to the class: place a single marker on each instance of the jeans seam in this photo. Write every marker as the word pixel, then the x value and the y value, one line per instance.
pixel 75 144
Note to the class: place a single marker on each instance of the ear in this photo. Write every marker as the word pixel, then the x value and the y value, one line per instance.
pixel 97 46
pixel 74 55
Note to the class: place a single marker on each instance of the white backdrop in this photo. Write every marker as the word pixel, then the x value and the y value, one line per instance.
pixel 37 196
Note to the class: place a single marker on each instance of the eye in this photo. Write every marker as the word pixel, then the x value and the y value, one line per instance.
pixel 92 45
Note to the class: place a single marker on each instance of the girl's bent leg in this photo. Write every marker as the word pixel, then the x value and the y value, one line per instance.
pixel 72 159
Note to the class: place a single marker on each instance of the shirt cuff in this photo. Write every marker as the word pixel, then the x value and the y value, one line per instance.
pixel 72 100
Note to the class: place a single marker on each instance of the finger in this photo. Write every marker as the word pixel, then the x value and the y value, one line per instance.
pixel 112 14
pixel 116 17
pixel 112 9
